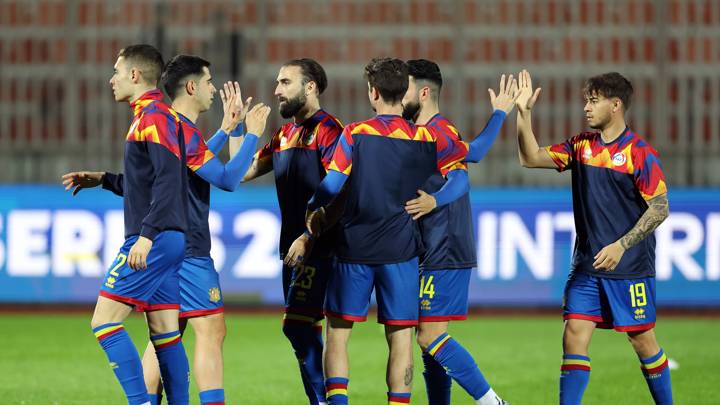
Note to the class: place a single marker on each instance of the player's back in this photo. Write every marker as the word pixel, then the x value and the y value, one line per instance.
pixel 390 161
pixel 155 189
pixel 447 231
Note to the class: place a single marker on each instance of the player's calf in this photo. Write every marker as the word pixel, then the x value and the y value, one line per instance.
pixel 170 353
pixel 336 360
pixel 210 334
pixel 305 336
pixel 654 365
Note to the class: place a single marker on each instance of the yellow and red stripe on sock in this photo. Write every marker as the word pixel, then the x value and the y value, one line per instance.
pixel 165 340
pixel 108 330
pixel 336 389
pixel 438 345
pixel 656 366
pixel 575 364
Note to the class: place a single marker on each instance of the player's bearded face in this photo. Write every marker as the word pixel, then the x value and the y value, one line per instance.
pixel 411 101
pixel 411 108
pixel 291 106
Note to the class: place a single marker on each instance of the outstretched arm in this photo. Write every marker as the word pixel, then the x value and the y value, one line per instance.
pixel 502 104
pixel 229 176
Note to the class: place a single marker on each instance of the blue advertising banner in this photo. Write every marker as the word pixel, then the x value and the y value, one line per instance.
pixel 56 248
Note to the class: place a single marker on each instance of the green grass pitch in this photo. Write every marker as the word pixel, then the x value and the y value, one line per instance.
pixel 54 359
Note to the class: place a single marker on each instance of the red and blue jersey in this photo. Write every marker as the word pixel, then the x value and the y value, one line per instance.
pixel 198 236
pixel 387 159
pixel 155 181
pixel 447 232
pixel 611 184
pixel 301 154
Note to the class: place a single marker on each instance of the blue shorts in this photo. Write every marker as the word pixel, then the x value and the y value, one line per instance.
pixel 304 289
pixel 200 292
pixel 396 289
pixel 625 305
pixel 156 287
pixel 444 294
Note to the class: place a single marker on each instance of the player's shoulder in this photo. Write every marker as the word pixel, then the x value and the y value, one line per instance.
pixel 442 126
pixel 159 112
pixel 639 144
pixel 329 122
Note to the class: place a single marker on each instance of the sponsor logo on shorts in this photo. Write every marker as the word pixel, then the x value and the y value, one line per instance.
pixel 214 294
pixel 639 313
pixel 425 305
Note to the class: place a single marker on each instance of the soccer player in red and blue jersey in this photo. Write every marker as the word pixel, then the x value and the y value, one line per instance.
pixel 145 273
pixel 299 155
pixel 188 82
pixel 448 236
pixel 379 245
pixel 619 198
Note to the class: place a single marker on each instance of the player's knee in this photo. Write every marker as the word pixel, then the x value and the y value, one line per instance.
pixel 425 338
pixel 96 321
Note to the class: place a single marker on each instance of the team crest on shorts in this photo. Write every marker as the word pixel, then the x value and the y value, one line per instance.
pixel 619 159
pixel 214 294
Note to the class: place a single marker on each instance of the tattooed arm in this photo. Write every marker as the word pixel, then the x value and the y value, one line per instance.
pixel 609 257
pixel 656 213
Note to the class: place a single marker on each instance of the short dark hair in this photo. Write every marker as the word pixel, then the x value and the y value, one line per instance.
pixel 311 71
pixel 147 58
pixel 423 69
pixel 389 76
pixel 609 85
pixel 178 69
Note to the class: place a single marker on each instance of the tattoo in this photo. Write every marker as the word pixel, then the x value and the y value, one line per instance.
pixel 408 376
pixel 656 213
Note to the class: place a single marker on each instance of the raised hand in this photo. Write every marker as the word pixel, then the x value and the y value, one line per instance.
pixel 80 180
pixel 256 119
pixel 233 107
pixel 526 96
pixel 507 94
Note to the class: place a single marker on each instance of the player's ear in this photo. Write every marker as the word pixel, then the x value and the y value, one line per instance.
pixel 135 75
pixel 310 87
pixel 190 87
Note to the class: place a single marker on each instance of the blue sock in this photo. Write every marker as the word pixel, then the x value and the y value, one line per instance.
pixel 155 399
pixel 174 367
pixel 306 340
pixel 124 360
pixel 437 381
pixel 213 397
pixel 460 365
pixel 574 378
pixel 657 375
pixel 336 390
pixel 398 398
